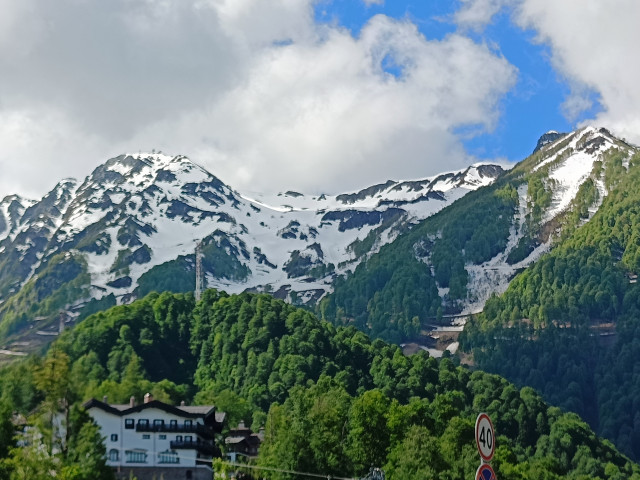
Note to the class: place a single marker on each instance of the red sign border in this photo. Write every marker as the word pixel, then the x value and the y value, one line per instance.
pixel 493 448
pixel 484 466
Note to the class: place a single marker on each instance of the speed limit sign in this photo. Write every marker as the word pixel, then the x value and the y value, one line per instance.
pixel 485 437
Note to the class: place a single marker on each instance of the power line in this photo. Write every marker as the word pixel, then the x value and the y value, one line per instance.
pixel 234 464
pixel 293 472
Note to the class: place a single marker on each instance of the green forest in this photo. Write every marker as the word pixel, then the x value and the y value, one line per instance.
pixel 332 400
pixel 568 325
pixel 387 294
pixel 422 276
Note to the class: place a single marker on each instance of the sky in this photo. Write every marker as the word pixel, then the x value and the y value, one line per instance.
pixel 316 96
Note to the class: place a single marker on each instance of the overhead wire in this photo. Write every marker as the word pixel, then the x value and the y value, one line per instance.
pixel 226 462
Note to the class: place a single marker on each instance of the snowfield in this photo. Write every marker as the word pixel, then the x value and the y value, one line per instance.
pixel 167 204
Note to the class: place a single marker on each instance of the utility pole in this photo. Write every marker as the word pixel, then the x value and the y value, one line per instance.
pixel 198 292
pixel 63 317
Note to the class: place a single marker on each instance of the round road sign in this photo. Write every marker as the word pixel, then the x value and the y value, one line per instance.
pixel 485 472
pixel 485 437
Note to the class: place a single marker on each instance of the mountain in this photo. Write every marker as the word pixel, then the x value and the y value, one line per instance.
pixel 133 224
pixel 568 325
pixel 549 137
pixel 548 250
pixel 11 209
pixel 453 261
pixel 551 279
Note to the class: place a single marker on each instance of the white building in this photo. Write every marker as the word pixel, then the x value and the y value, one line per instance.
pixel 157 440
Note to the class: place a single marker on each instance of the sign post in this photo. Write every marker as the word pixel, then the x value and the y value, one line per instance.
pixel 486 443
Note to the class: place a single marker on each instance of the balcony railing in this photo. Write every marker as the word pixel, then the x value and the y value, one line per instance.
pixel 196 428
pixel 202 447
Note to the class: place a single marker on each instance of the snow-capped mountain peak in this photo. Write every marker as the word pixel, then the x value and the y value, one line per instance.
pixel 547 138
pixel 133 224
pixel 563 163
pixel 12 208
pixel 138 213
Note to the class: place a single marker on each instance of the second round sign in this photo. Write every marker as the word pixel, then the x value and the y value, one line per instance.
pixel 485 437
pixel 485 472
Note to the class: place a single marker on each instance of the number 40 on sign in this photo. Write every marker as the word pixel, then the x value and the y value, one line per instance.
pixel 485 437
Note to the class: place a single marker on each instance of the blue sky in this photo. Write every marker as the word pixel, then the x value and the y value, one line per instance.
pixel 317 96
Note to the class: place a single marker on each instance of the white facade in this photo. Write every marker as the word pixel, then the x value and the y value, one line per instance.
pixel 155 434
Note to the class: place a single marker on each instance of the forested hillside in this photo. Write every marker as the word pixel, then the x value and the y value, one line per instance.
pixel 333 401
pixel 569 325
pixel 454 259
pixel 389 294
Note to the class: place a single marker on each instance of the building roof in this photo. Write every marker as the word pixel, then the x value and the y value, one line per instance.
pixel 235 440
pixel 252 439
pixel 121 407
pixel 206 412
pixel 196 409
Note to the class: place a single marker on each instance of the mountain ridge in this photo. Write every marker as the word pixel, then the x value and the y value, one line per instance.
pixel 132 225
pixel 91 239
pixel 473 248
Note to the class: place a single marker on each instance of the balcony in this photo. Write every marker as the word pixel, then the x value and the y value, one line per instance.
pixel 196 428
pixel 202 447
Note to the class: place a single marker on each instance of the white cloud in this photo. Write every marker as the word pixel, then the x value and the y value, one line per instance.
pixel 368 3
pixel 258 23
pixel 477 14
pixel 594 45
pixel 39 148
pixel 326 115
pixel 263 97
pixel 576 103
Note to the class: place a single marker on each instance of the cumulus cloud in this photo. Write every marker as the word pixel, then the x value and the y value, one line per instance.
pixel 329 116
pixel 39 148
pixel 593 46
pixel 477 14
pixel 255 91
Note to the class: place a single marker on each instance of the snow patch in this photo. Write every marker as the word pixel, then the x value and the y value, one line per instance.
pixel 171 214
pixel 568 173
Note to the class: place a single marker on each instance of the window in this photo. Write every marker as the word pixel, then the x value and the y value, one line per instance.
pixel 187 423
pixel 143 421
pixel 114 437
pixel 168 456
pixel 178 438
pixel 113 455
pixel 158 423
pixel 136 456
pixel 173 423
pixel 188 438
pixel 146 436
pixel 128 423
pixel 162 437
